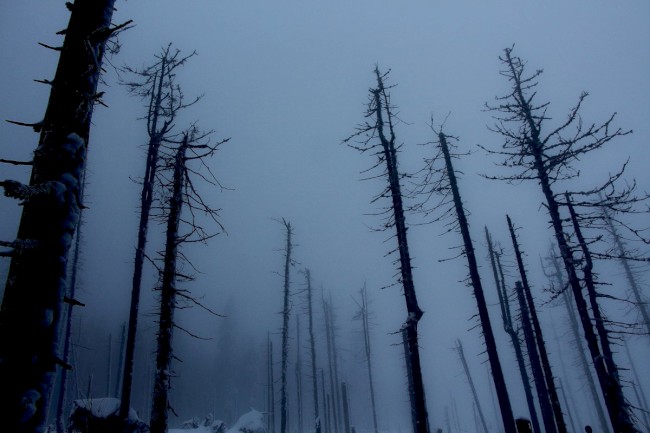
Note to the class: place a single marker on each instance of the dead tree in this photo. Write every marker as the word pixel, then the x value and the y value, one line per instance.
pixel 377 135
pixel 156 85
pixel 331 362
pixel 622 254
pixel 461 354
pixel 67 331
pixel 577 339
pixel 550 388
pixel 183 197
pixel 298 372
pixel 286 310
pixel 312 351
pixel 440 178
pixel 547 158
pixel 36 282
pixel 270 401
pixel 504 301
pixel 363 315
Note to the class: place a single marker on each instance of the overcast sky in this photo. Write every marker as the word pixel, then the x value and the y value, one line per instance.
pixel 287 80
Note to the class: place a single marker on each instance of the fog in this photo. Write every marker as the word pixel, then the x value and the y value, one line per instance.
pixel 287 81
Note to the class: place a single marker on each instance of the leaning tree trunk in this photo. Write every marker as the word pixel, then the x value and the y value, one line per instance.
pixel 164 354
pixel 584 363
pixel 507 416
pixel 36 283
pixel 617 407
pixel 418 398
pixel 539 339
pixel 477 403
pixel 146 201
pixel 499 280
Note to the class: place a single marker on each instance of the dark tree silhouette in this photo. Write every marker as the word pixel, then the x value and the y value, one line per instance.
pixel 36 283
pixel 312 351
pixel 155 84
pixel 504 301
pixel 546 158
pixel 440 178
pixel 549 384
pixel 377 135
pixel 183 197
pixel 286 310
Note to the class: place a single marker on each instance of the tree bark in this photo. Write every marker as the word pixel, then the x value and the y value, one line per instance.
pixel 507 416
pixel 164 354
pixel 499 281
pixel 36 282
pixel 312 352
pixel 539 339
pixel 285 330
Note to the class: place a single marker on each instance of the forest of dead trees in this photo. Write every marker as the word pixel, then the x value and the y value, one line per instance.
pixel 308 381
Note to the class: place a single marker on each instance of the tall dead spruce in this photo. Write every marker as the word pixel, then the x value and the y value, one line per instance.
pixel 183 198
pixel 377 135
pixel 286 310
pixel 156 85
pixel 36 283
pixel 548 158
pixel 440 178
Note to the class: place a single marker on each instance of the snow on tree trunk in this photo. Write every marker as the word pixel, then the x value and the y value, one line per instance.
pixel 36 283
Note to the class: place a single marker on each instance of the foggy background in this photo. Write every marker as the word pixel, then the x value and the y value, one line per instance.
pixel 288 81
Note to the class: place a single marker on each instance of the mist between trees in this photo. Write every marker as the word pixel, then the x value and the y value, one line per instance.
pixel 300 354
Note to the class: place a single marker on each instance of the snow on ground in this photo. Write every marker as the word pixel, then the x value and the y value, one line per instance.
pixel 250 422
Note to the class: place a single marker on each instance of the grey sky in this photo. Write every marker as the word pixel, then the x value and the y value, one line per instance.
pixel 288 80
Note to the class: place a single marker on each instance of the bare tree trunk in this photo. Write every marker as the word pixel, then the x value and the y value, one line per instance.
pixel 271 390
pixel 507 416
pixel 477 404
pixel 641 303
pixel 535 363
pixel 120 365
pixel 409 380
pixel 285 330
pixel 146 200
pixel 592 295
pixel 412 307
pixel 298 372
pixel 312 351
pixel 36 282
pixel 109 365
pixel 346 407
pixel 67 332
pixel 326 412
pixel 539 339
pixel 613 394
pixel 366 341
pixel 331 356
pixel 504 301
pixel 164 354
